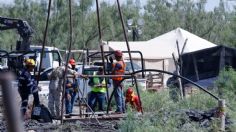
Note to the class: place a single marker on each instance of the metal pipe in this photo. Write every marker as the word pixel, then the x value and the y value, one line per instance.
pixel 125 35
pixel 137 90
pixel 67 59
pixel 106 76
pixel 110 53
pixel 165 72
pixel 184 78
pixel 101 46
pixel 127 43
pixel 44 41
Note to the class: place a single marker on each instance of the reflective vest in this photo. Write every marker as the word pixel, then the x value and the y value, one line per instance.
pixel 118 72
pixel 102 89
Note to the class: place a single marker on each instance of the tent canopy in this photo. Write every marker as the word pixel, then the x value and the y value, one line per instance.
pixel 163 46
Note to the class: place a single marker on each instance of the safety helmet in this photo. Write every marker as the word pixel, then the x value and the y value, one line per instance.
pixel 118 53
pixel 129 91
pixel 29 62
pixel 72 61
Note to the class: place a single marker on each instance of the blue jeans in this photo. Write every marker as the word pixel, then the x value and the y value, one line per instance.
pixel 119 97
pixel 69 102
pixel 97 97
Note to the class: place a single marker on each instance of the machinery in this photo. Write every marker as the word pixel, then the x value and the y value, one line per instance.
pixel 24 49
pixel 23 28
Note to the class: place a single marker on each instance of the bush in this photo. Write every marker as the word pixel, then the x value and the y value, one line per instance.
pixel 226 84
pixel 162 114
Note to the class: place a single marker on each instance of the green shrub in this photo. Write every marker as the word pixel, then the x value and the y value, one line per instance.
pixel 162 114
pixel 226 84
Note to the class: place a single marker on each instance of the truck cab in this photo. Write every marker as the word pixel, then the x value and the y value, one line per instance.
pixel 51 59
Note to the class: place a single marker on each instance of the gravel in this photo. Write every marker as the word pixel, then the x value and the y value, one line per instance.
pixel 35 126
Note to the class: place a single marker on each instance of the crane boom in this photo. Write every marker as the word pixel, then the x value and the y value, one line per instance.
pixel 23 28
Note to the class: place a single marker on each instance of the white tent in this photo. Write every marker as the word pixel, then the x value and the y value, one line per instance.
pixel 163 46
pixel 157 52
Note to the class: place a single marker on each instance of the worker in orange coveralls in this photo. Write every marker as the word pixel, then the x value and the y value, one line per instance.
pixel 132 99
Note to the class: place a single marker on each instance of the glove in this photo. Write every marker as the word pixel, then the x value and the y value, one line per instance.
pixel 111 59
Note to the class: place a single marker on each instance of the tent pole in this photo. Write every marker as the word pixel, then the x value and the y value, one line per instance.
pixel 180 69
pixel 177 72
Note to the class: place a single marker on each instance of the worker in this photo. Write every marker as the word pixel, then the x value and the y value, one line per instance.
pixel 27 85
pixel 56 78
pixel 118 68
pixel 98 91
pixel 71 90
pixel 132 99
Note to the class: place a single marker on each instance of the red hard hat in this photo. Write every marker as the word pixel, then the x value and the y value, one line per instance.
pixel 118 53
pixel 72 61
pixel 129 91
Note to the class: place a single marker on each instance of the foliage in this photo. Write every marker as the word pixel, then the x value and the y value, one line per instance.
pixel 160 16
pixel 163 115
pixel 226 84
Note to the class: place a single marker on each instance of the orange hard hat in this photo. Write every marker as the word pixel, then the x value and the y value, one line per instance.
pixel 72 61
pixel 129 91
pixel 118 53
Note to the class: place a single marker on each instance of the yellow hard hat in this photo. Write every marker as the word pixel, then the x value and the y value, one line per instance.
pixel 29 62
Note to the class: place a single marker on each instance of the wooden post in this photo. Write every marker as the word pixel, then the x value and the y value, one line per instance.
pixel 179 80
pixel 222 114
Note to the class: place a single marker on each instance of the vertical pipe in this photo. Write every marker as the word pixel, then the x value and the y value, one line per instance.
pixel 11 111
pixel 44 41
pixel 130 57
pixel 67 59
pixel 101 47
pixel 136 85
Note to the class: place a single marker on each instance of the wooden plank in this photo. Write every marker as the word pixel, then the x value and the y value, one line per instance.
pixel 90 113
pixel 104 117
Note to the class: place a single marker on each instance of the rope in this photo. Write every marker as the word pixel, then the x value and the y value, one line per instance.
pixel 44 41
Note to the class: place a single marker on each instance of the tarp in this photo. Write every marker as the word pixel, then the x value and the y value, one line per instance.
pixel 163 46
pixel 207 63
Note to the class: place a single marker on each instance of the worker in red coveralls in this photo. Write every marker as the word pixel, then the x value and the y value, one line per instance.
pixel 132 99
